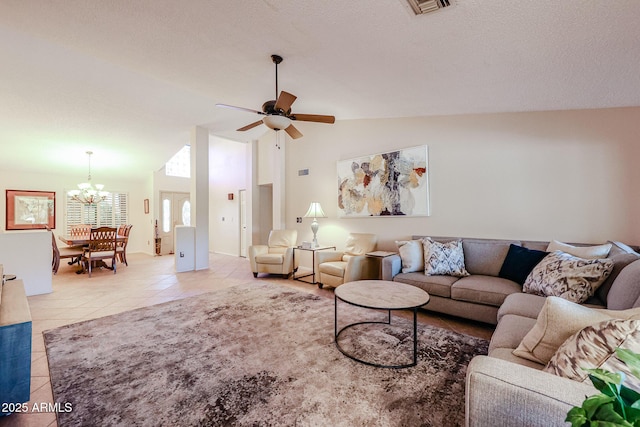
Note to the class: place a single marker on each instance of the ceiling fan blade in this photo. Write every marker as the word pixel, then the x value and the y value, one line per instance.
pixel 250 126
pixel 313 118
pixel 293 132
pixel 233 107
pixel 284 101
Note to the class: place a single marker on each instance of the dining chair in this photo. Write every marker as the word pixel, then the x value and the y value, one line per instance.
pixel 73 252
pixel 121 246
pixel 102 246
pixel 79 230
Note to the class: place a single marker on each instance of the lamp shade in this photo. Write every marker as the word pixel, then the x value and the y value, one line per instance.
pixel 276 122
pixel 315 211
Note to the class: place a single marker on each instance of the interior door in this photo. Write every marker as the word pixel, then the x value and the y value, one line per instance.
pixel 175 209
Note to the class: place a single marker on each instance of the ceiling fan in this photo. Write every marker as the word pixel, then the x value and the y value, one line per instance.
pixel 277 113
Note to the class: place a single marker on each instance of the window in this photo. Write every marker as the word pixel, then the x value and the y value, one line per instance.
pixel 166 215
pixel 112 212
pixel 186 213
pixel 180 163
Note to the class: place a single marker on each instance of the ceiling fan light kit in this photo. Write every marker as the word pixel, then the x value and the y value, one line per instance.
pixel 277 122
pixel 277 113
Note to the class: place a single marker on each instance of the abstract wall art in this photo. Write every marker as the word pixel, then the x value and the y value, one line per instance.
pixel 386 184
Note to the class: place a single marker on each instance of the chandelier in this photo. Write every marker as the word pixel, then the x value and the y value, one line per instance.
pixel 86 193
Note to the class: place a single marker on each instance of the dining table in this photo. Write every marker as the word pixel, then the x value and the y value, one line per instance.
pixel 83 239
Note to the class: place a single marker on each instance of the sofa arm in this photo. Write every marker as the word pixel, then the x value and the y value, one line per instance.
pixel 328 256
pixel 391 265
pixel 287 262
pixel 501 393
pixel 255 250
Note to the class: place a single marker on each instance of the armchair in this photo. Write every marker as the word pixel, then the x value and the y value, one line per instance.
pixel 336 268
pixel 276 257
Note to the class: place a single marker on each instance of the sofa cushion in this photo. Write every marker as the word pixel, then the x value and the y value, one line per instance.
pixel 620 261
pixel 521 304
pixel 481 289
pixel 563 275
pixel 506 354
pixel 360 243
pixel 434 285
pixel 557 321
pixel 619 247
pixel 444 258
pixel 625 289
pixel 270 258
pixel 539 246
pixel 412 255
pixel 510 331
pixel 333 268
pixel 485 256
pixel 595 347
pixel 586 252
pixel 519 262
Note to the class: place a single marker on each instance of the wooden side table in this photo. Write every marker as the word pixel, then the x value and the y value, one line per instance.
pixel 378 255
pixel 313 263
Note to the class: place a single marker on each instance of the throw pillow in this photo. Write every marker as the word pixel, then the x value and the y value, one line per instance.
pixel 563 275
pixel 557 321
pixel 587 252
pixel 444 259
pixel 519 262
pixel 412 255
pixel 595 347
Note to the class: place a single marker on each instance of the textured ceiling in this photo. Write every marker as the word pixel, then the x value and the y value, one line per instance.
pixel 129 79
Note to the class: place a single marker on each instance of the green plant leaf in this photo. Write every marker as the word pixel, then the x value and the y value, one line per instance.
pixel 606 382
pixel 633 414
pixel 592 404
pixel 631 359
pixel 606 413
pixel 629 396
pixel 577 417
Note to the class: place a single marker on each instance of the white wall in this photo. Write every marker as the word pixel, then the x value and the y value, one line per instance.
pixel 28 255
pixel 228 163
pixel 566 175
pixel 138 191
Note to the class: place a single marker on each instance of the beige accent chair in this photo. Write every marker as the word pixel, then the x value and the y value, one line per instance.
pixel 276 257
pixel 336 268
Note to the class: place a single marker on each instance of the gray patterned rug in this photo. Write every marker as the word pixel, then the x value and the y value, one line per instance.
pixel 254 355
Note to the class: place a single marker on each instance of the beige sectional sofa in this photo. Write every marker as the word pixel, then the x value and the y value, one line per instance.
pixel 504 389
pixel 507 389
pixel 480 295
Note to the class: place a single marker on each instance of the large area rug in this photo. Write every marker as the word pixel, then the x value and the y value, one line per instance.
pixel 258 355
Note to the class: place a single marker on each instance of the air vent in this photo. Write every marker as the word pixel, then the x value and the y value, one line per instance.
pixel 420 7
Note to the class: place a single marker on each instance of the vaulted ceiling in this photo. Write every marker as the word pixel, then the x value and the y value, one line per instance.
pixel 130 79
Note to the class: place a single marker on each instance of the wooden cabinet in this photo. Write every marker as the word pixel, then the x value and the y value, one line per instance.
pixel 15 344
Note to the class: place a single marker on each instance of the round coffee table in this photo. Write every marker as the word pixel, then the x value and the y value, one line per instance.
pixel 380 295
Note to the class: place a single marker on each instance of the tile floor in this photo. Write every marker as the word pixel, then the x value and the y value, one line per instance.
pixel 146 281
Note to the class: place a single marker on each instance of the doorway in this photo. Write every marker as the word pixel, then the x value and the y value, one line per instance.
pixel 175 209
pixel 242 196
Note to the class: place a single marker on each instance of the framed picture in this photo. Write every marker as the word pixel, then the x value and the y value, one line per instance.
pixel 29 210
pixel 385 184
pixel 146 206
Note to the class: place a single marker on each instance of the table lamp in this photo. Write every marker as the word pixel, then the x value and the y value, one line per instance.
pixel 315 211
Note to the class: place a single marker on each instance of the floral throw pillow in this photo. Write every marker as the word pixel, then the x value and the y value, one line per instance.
pixel 444 259
pixel 566 276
